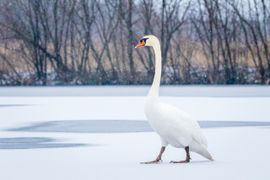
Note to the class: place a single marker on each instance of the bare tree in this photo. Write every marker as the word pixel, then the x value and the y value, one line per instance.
pixel 92 42
pixel 171 22
pixel 254 37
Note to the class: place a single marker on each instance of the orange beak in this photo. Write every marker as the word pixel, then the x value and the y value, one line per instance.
pixel 140 44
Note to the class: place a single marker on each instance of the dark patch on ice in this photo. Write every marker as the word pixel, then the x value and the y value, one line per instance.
pixel 118 126
pixel 222 124
pixel 13 105
pixel 88 126
pixel 33 143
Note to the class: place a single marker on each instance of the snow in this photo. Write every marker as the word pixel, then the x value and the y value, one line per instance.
pixel 105 137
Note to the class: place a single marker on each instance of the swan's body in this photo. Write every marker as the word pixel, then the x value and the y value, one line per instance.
pixel 174 126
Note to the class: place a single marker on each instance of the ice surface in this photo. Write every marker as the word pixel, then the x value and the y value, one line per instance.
pixel 51 138
pixel 141 90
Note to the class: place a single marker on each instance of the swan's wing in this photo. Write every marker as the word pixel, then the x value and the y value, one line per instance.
pixel 182 121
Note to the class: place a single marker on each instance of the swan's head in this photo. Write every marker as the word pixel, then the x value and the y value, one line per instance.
pixel 148 40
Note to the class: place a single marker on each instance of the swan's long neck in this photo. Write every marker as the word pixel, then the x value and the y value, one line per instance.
pixel 154 91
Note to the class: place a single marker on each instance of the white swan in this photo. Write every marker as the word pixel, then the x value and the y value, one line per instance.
pixel 174 126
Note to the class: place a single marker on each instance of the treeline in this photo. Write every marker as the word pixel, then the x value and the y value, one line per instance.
pixel 79 42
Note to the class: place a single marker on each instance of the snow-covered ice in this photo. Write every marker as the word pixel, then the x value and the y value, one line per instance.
pixel 105 137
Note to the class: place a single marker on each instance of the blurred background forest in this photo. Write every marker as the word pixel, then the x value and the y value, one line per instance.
pixel 91 42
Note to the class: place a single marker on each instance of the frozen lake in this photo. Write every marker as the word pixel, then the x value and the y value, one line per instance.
pixel 101 133
pixel 193 91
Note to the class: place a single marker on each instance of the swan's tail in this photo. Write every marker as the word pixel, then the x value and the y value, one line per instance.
pixel 203 151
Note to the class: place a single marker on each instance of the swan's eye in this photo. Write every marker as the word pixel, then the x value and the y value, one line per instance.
pixel 143 40
pixel 141 43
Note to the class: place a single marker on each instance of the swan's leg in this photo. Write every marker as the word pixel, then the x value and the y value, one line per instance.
pixel 187 160
pixel 158 159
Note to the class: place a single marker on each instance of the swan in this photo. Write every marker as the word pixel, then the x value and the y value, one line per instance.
pixel 174 126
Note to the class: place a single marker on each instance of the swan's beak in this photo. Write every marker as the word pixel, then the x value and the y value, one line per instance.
pixel 140 44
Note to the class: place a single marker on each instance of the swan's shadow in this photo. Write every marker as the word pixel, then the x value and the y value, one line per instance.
pixel 201 162
pixel 118 126
pixel 191 162
pixel 34 143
